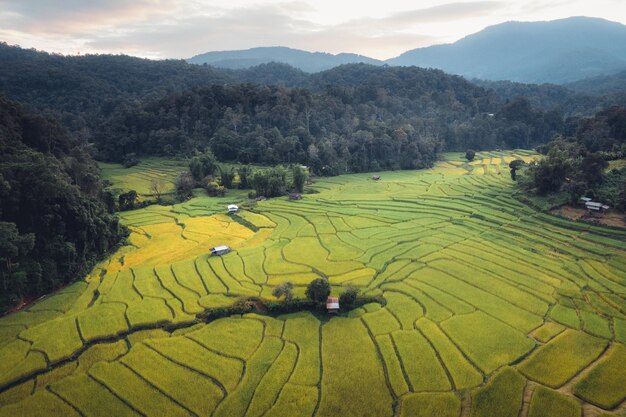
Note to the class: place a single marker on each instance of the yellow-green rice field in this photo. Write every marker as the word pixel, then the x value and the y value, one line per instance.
pixel 491 307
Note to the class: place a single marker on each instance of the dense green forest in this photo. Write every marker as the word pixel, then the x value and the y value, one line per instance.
pixel 54 224
pixel 348 119
pixel 368 118
pixel 578 164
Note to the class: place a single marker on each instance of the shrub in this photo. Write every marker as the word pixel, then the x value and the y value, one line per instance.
pixel 127 200
pixel 244 176
pixel 515 165
pixel 348 297
pixel 213 189
pixel 318 290
pixel 285 289
pixel 299 178
pixel 202 165
pixel 226 176
pixel 130 160
pixel 470 154
pixel 184 185
pixel 270 182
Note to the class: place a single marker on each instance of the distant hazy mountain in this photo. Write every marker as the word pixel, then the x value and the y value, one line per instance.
pixel 306 61
pixel 604 84
pixel 558 51
pixel 273 73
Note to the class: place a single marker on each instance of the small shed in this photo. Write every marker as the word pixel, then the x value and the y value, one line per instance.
pixel 595 206
pixel 332 305
pixel 261 198
pixel 585 199
pixel 220 250
pixel 232 208
pixel 376 177
pixel 295 196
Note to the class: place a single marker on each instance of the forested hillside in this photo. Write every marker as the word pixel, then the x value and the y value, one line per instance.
pixel 351 118
pixel 577 164
pixel 354 118
pixel 53 221
pixel 83 85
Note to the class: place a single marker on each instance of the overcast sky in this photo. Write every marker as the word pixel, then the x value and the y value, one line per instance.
pixel 183 28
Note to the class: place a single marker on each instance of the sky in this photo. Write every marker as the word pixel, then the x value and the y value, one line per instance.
pixel 183 28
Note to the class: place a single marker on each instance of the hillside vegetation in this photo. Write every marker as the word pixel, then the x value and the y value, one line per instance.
pixel 352 118
pixel 364 119
pixel 489 307
pixel 54 224
pixel 589 163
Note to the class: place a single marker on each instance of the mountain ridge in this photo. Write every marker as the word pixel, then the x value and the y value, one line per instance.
pixel 557 51
pixel 303 60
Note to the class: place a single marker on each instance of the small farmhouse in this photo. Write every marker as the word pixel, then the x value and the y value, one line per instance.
pixel 233 208
pixel 220 250
pixel 376 177
pixel 595 206
pixel 295 196
pixel 332 305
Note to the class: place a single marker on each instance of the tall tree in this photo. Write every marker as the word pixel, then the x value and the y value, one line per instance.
pixel 299 178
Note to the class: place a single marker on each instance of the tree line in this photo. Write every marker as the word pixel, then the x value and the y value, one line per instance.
pixel 54 223
pixel 206 172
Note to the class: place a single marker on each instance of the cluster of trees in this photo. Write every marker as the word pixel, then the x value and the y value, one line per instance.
pixel 577 164
pixel 274 182
pixel 317 292
pixel 54 222
pixel 206 172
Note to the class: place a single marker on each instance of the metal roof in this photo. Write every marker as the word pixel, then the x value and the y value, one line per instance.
pixel 592 205
pixel 332 303
pixel 220 248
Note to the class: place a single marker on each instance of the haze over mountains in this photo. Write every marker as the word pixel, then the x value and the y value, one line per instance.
pixel 304 60
pixel 559 51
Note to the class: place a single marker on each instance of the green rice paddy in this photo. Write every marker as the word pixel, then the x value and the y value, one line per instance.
pixel 492 308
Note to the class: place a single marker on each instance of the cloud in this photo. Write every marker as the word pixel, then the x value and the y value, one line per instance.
pixel 78 17
pixel 443 13
pixel 277 24
pixel 181 29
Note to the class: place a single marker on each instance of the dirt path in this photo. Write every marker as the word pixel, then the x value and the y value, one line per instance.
pixel 610 218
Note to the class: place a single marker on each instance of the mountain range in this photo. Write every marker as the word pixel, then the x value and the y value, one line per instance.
pixel 304 60
pixel 559 51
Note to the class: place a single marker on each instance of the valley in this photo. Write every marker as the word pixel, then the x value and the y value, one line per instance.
pixel 490 307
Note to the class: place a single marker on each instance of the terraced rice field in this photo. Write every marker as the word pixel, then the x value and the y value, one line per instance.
pixel 492 309
pixel 140 176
